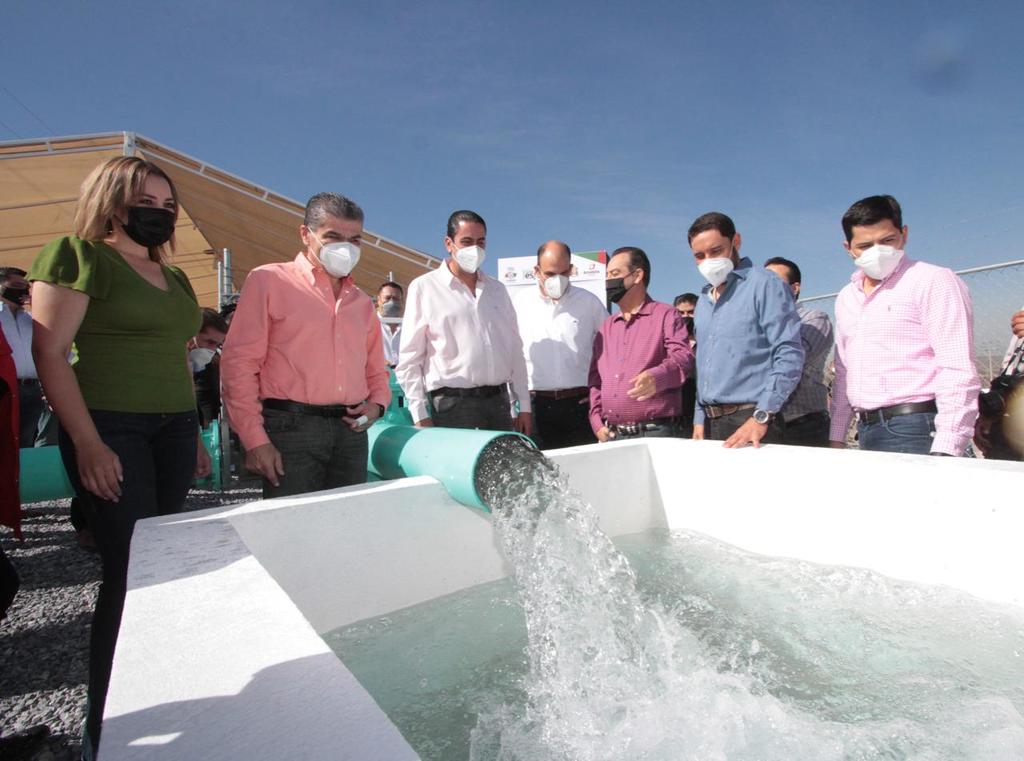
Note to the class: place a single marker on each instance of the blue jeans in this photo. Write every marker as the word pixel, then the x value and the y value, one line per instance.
pixel 909 434
pixel 158 458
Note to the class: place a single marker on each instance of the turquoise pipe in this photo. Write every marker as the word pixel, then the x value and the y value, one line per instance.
pixel 42 475
pixel 451 455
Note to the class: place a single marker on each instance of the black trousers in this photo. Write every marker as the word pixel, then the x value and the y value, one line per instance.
pixel 561 423
pixel 489 413
pixel 158 458
pixel 317 452
pixel 721 428
pixel 810 430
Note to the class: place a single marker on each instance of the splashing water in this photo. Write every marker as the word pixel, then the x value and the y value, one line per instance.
pixel 613 675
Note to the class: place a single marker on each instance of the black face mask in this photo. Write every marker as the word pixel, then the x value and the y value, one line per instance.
pixel 149 226
pixel 616 289
pixel 16 293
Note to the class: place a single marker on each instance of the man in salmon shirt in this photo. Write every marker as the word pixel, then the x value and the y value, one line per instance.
pixel 303 369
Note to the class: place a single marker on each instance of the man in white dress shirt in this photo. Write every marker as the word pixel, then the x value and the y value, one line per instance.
pixel 461 359
pixel 389 307
pixel 557 323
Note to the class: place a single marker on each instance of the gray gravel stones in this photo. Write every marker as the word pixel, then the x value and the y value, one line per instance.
pixel 44 641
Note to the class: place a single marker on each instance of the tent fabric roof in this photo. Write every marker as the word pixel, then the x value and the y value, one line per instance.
pixel 40 179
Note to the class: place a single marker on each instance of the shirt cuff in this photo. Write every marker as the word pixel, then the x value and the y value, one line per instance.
pixel 948 443
pixel 418 409
pixel 840 425
pixel 698 414
pixel 251 439
pixel 769 402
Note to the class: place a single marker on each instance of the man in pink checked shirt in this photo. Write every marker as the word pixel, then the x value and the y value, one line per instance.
pixel 904 343
pixel 303 369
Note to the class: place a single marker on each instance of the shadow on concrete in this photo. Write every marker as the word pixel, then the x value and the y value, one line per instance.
pixel 262 721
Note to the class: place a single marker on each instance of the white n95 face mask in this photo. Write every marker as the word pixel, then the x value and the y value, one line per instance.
pixel 200 358
pixel 715 271
pixel 878 262
pixel 556 286
pixel 339 259
pixel 470 258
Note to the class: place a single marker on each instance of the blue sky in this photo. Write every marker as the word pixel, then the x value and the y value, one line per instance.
pixel 604 124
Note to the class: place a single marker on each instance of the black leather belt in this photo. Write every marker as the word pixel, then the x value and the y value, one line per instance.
pixel 323 410
pixel 477 391
pixel 563 393
pixel 713 411
pixel 28 381
pixel 632 429
pixel 885 413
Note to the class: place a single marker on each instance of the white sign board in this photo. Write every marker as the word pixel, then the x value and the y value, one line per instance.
pixel 516 273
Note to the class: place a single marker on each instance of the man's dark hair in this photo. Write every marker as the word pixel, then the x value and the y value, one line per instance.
pixel 391 284
pixel 6 272
pixel 213 319
pixel 464 215
pixel 684 298
pixel 637 260
pixel 713 220
pixel 322 205
pixel 542 246
pixel 793 278
pixel 870 211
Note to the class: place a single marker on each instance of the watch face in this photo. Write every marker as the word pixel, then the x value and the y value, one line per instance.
pixel 761 416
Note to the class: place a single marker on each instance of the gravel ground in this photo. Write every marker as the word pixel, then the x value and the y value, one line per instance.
pixel 44 641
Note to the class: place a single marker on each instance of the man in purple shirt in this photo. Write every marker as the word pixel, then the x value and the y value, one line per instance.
pixel 642 356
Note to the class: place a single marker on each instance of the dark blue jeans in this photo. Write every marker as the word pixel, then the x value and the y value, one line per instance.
pixel 158 458
pixel 909 434
pixel 317 452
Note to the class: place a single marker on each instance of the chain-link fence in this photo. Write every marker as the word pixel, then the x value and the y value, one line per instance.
pixel 997 292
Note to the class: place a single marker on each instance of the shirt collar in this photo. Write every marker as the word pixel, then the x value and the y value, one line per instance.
pixel 741 271
pixel 310 273
pixel 858 274
pixel 481 277
pixel 646 307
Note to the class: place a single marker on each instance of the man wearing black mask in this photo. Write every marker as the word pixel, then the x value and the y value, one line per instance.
pixel 641 358
pixel 16 324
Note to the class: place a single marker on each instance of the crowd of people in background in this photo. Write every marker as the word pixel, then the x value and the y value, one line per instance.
pixel 118 349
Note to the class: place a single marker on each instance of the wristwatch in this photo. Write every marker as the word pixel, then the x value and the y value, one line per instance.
pixel 764 417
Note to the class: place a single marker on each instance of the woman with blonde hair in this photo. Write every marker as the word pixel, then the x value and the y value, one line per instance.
pixel 127 410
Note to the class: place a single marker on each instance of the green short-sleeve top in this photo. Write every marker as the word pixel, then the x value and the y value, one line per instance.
pixel 131 343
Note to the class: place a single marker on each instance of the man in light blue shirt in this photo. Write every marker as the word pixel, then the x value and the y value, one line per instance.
pixel 749 353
